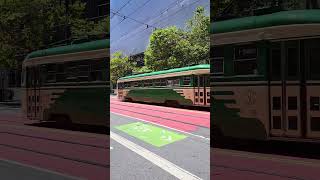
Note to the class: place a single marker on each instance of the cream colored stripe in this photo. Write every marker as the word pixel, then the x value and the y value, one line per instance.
pixel 184 73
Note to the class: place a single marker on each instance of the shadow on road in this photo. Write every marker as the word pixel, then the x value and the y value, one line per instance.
pixel 294 149
pixel 75 127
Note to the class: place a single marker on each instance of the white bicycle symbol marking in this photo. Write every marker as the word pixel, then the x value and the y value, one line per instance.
pixel 165 137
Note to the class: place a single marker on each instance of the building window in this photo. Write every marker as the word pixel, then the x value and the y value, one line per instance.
pixel 245 60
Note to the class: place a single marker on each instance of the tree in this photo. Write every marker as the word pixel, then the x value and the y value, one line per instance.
pixel 199 37
pixel 120 66
pixel 167 49
pixel 172 47
pixel 27 25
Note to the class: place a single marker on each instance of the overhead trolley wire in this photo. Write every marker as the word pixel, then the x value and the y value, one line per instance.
pixel 170 6
pixel 136 10
pixel 122 7
pixel 134 33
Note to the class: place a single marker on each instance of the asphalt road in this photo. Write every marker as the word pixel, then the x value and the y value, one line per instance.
pixel 134 157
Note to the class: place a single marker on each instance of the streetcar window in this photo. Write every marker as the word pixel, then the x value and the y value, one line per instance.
pixel 135 84
pixel 72 72
pixel 276 64
pixel 218 59
pixel 148 83
pixel 292 103
pixel 96 69
pixel 245 60
pixel 157 82
pixel 276 121
pixel 50 72
pixel 126 84
pixel 43 73
pixel 60 68
pixel 218 64
pixel 315 124
pixel 51 68
pixel 60 77
pixel 207 81
pixel 51 77
pixel 172 82
pixel 292 122
pixel 163 82
pixel 276 103
pixel 120 85
pixel 314 63
pixel 292 62
pixel 314 103
pixel 169 82
pixel 186 81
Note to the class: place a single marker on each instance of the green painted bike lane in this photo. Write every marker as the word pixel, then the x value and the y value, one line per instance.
pixel 151 134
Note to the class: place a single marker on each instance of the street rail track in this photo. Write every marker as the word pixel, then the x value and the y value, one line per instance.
pixel 184 122
pixel 55 140
pixel 135 105
pixel 257 172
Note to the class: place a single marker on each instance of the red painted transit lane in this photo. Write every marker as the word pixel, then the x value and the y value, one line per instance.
pixel 78 154
pixel 200 114
pixel 181 119
pixel 229 164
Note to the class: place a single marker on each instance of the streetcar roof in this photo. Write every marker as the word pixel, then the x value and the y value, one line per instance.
pixel 73 48
pixel 268 20
pixel 189 68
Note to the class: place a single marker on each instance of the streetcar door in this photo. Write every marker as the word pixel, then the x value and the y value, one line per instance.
pixel 312 54
pixel 33 93
pixel 285 90
pixel 199 90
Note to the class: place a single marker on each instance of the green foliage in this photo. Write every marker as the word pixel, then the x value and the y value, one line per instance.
pixel 120 66
pixel 167 49
pixel 28 25
pixel 172 47
pixel 140 70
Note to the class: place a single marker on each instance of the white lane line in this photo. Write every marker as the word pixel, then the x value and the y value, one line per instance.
pixel 199 136
pixel 155 159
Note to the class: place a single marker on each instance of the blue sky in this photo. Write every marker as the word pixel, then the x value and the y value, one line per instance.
pixel 132 37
